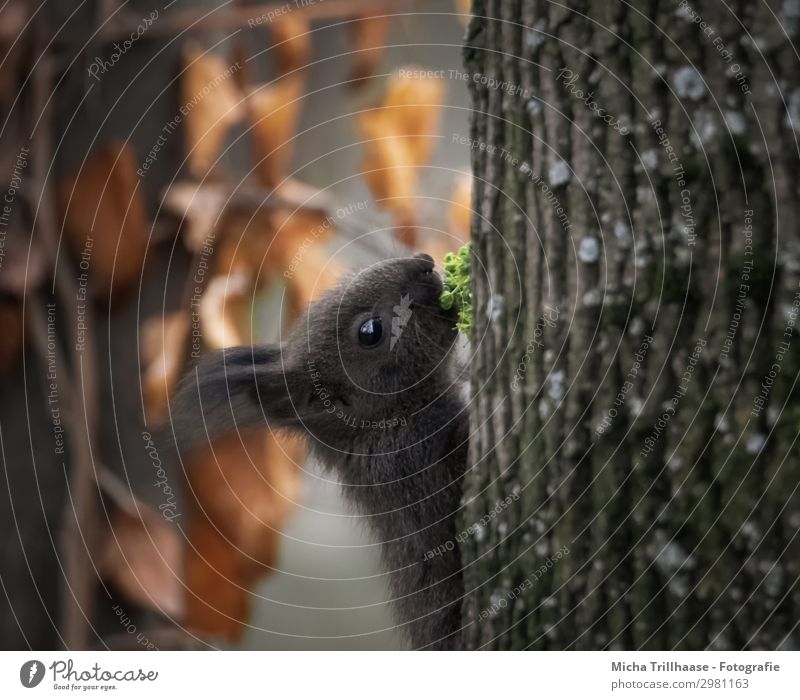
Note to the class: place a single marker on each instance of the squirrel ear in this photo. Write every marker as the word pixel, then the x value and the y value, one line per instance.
pixel 232 389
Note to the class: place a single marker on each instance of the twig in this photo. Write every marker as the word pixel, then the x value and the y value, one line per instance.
pixel 226 18
pixel 80 513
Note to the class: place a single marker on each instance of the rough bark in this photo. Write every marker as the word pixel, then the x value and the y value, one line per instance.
pixel 679 515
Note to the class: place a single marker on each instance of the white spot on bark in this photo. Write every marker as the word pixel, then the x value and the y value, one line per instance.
pixel 495 600
pixel 705 128
pixel 750 532
pixel 650 160
pixel 773 578
pixel 622 233
pixel 683 254
pixel 675 464
pixel 736 122
pixel 636 327
pixel 772 415
pixel 793 115
pixel 644 194
pixel 719 643
pixel 589 250
pixel 754 443
pixel 790 15
pixel 559 173
pixel 534 36
pixel 544 409
pixel 494 307
pixel 593 297
pixel 556 386
pixel 689 83
pixel 671 558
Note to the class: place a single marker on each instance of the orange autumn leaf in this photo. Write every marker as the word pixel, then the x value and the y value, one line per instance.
pixel 221 307
pixel 244 487
pixel 163 350
pixel 273 112
pixel 460 213
pixel 142 556
pixel 104 219
pixel 368 38
pixel 399 136
pixel 292 47
pixel 210 104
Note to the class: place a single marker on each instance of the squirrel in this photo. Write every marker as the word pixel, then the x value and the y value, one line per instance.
pixel 368 376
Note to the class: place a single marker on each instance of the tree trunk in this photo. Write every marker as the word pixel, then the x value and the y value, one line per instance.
pixel 636 284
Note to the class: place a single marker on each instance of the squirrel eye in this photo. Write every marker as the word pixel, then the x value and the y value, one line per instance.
pixel 370 332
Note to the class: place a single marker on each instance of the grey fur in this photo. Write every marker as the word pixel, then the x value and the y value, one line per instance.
pixel 391 423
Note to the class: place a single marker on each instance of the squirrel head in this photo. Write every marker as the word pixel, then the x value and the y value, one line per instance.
pixel 380 333
pixel 373 348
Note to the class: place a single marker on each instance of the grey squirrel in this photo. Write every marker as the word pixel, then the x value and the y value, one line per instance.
pixel 368 377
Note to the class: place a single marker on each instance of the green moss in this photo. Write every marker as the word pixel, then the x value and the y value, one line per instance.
pixel 457 290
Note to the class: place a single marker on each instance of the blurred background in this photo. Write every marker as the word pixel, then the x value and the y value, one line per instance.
pixel 185 176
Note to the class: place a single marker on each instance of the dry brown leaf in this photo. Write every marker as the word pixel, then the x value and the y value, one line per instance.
pixel 244 489
pixel 390 173
pixel 244 238
pixel 400 135
pixel 221 308
pixel 163 351
pixel 273 111
pixel 200 208
pixel 277 244
pixel 23 261
pixel 245 485
pixel 464 10
pixel 104 218
pixel 295 231
pixel 211 104
pixel 368 39
pixel 292 42
pixel 460 214
pixel 315 276
pixel 300 195
pixel 413 105
pixel 263 242
pixel 142 556
pixel 218 591
pixel 437 244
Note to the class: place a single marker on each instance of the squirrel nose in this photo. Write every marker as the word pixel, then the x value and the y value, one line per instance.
pixel 426 260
